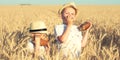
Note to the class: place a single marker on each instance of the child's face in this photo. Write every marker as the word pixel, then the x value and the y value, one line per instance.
pixel 68 12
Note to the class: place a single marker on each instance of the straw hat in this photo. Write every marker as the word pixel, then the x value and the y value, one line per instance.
pixel 38 27
pixel 67 5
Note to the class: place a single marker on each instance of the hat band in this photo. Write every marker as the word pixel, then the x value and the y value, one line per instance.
pixel 38 30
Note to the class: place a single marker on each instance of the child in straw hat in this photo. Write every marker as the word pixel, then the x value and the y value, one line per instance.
pixel 69 38
pixel 39 39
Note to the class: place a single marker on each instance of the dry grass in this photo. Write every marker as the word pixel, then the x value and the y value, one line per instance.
pixel 104 37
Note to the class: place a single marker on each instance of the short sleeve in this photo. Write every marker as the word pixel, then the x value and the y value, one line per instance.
pixel 58 30
pixel 55 32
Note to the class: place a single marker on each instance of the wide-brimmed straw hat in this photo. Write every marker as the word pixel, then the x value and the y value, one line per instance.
pixel 67 5
pixel 38 27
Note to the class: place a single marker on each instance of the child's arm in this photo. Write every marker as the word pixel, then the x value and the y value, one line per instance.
pixel 84 40
pixel 64 36
pixel 37 44
pixel 85 37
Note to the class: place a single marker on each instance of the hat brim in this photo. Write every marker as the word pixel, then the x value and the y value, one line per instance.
pixel 39 31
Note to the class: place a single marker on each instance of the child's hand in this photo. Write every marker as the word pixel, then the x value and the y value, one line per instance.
pixel 69 20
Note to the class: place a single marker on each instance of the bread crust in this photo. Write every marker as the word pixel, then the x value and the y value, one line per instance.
pixel 84 26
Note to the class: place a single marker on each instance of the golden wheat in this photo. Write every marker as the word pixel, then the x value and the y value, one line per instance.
pixel 103 42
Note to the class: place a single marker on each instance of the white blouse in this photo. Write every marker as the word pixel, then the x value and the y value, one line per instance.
pixel 31 47
pixel 72 45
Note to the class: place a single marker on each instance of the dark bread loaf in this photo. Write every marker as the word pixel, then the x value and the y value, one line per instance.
pixel 84 26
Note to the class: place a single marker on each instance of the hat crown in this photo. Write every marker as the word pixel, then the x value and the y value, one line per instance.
pixel 38 25
pixel 66 5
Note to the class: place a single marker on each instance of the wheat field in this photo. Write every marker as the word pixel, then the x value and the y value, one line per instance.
pixel 104 36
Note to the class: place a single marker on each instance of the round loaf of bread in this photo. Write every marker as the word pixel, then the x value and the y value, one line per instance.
pixel 84 26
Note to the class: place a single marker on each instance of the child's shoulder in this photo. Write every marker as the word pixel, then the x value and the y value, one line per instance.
pixel 60 27
pixel 74 26
pixel 63 26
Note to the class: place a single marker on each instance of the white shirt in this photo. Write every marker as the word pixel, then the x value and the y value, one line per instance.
pixel 73 44
pixel 31 47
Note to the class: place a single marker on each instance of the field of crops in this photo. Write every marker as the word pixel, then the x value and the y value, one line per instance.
pixel 104 36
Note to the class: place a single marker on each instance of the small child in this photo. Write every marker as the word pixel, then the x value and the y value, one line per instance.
pixel 68 36
pixel 38 44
